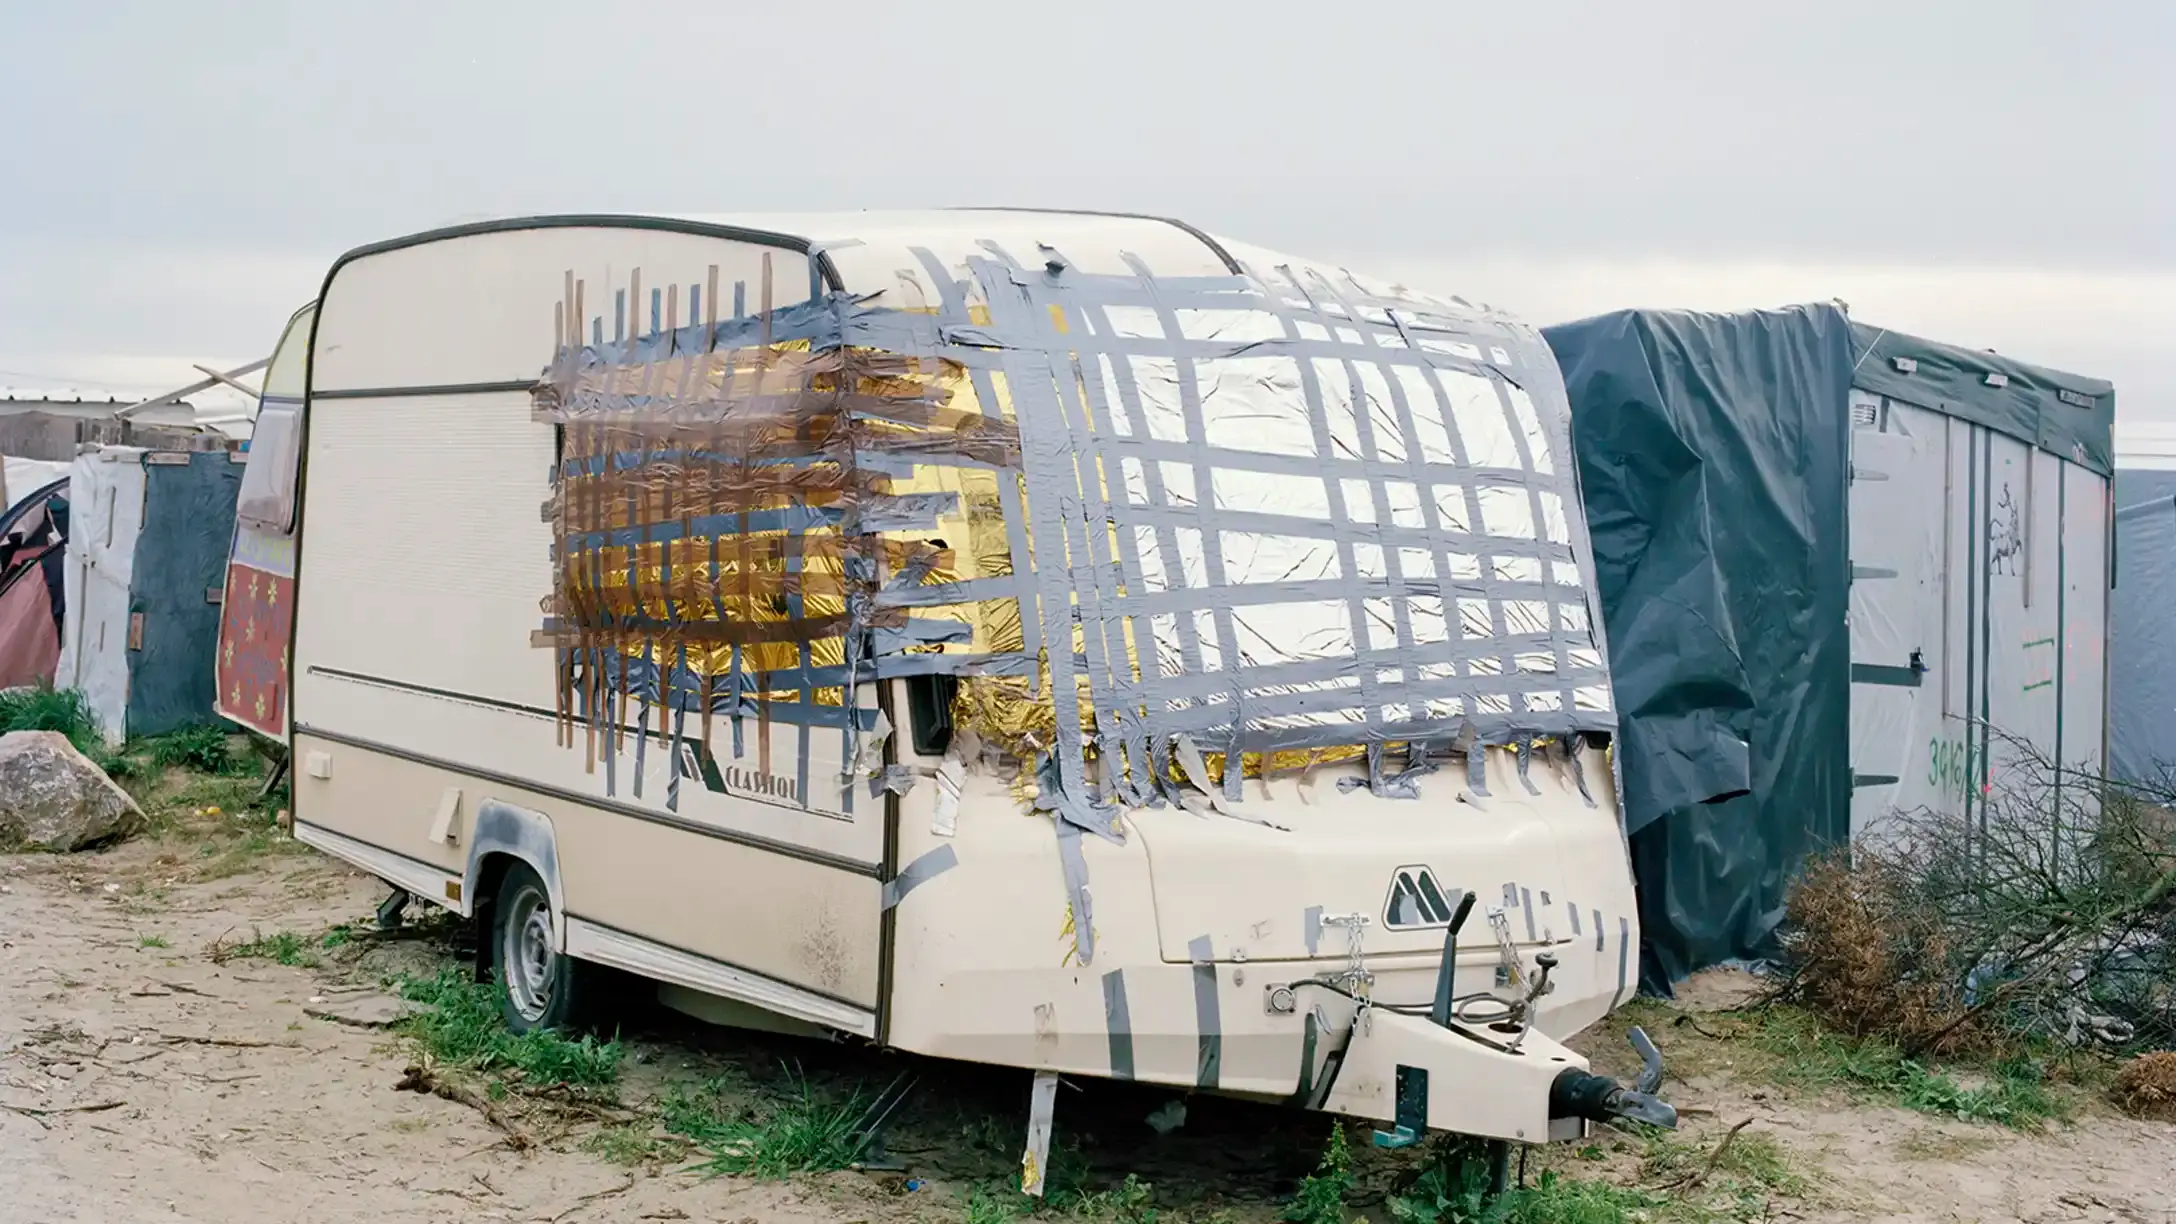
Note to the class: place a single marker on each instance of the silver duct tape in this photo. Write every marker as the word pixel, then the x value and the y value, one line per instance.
pixel 1118 1019
pixel 1035 1160
pixel 1208 1021
pixel 1624 956
pixel 1525 750
pixel 1572 907
pixel 1075 865
pixel 1353 384
pixel 919 872
pixel 1526 902
pixel 1601 938
pixel 1311 923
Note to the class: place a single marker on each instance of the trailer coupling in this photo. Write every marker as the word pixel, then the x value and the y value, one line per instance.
pixel 1598 1098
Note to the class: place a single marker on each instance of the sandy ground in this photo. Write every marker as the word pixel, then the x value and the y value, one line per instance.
pixel 149 1083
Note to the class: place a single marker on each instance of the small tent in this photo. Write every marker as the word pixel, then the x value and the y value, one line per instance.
pixel 1840 567
pixel 33 548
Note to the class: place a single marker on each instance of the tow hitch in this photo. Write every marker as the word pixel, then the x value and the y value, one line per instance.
pixel 1598 1098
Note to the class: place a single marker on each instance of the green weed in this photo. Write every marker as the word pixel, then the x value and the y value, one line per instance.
pixel 1453 1189
pixel 46 709
pixel 986 1206
pixel 1554 1199
pixel 459 1025
pixel 201 749
pixel 152 941
pixel 339 935
pixel 284 947
pixel 2014 1093
pixel 1321 1196
pixel 801 1131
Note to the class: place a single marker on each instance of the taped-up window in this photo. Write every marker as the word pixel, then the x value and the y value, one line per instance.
pixel 268 481
pixel 267 498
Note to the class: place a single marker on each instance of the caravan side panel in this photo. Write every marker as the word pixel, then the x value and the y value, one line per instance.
pixel 425 559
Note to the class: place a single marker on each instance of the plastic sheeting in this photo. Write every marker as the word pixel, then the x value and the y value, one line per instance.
pixel 2063 414
pixel 1713 464
pixel 2142 646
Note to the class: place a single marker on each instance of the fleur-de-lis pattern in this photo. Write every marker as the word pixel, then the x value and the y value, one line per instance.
pixel 253 647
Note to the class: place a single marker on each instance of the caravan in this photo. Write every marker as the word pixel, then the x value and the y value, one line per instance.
pixel 1055 640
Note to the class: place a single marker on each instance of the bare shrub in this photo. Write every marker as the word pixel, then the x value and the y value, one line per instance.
pixel 2146 1087
pixel 2046 910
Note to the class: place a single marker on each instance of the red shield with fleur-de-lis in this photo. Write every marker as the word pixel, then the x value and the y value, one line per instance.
pixel 253 635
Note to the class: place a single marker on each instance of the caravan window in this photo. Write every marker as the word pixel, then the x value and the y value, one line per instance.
pixel 275 447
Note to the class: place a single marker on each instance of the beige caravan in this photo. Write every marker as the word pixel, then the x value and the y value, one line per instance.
pixel 1056 640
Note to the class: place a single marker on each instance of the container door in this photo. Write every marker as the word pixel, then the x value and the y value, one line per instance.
pixel 1897 584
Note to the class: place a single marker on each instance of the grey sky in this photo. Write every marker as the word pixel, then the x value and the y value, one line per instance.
pixel 1999 174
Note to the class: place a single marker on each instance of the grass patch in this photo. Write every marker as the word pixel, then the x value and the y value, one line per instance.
pixel 45 709
pixel 1453 1189
pixel 339 935
pixel 799 1131
pixel 283 947
pixel 67 712
pixel 204 749
pixel 2014 1093
pixel 459 1026
pixel 152 941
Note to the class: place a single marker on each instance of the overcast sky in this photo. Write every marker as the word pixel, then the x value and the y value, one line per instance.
pixel 175 177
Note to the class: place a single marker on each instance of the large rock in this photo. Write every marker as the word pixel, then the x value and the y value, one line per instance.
pixel 53 798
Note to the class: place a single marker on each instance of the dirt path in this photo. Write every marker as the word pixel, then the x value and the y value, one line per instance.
pixel 189 1091
pixel 141 1080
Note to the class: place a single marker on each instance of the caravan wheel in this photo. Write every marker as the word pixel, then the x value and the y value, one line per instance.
pixel 539 986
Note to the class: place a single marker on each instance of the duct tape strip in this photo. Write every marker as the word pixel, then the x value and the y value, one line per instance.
pixel 1207 1020
pixel 1075 865
pixel 1572 907
pixel 1601 939
pixel 1575 750
pixel 1476 769
pixel 1118 1019
pixel 926 867
pixel 953 312
pixel 1526 902
pixel 1035 1160
pixel 1624 956
pixel 1526 759
pixel 1311 924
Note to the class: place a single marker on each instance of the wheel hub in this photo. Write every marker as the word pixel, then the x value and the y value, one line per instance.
pixel 527 955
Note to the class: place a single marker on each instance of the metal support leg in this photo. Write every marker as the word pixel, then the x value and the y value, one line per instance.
pixel 279 774
pixel 393 910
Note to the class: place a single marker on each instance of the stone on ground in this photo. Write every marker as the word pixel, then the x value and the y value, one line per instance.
pixel 53 798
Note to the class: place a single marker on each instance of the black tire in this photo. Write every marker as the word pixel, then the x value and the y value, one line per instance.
pixel 539 987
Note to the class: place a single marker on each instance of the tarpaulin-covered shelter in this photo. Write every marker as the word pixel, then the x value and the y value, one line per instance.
pixel 33 546
pixel 145 577
pixel 1838 566
pixel 2142 631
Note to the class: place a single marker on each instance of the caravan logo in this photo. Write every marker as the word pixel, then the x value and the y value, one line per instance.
pixel 696 763
pixel 1416 901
